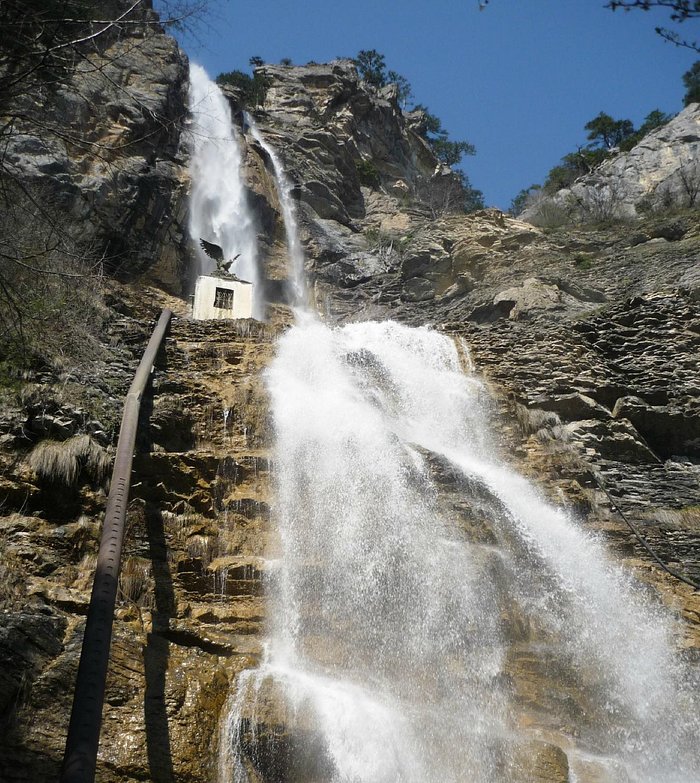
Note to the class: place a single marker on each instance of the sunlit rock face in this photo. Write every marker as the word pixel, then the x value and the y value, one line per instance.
pixel 660 172
pixel 328 124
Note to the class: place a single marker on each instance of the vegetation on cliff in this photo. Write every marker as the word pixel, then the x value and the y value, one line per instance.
pixel 372 69
pixel 50 287
pixel 691 80
pixel 608 137
pixel 251 89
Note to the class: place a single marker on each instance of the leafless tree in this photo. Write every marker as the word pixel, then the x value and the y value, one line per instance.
pixel 599 203
pixel 689 176
pixel 440 194
pixel 679 10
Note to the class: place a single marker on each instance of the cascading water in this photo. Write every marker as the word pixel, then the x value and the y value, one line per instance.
pixel 392 618
pixel 399 611
pixel 284 190
pixel 219 207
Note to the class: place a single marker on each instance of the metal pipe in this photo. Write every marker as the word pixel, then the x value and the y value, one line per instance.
pixel 80 758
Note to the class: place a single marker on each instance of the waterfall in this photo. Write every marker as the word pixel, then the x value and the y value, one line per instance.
pixel 399 612
pixel 291 228
pixel 422 583
pixel 219 208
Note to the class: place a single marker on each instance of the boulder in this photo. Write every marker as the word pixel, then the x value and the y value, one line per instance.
pixel 417 290
pixel 671 430
pixel 531 296
pixel 574 407
pixel 617 440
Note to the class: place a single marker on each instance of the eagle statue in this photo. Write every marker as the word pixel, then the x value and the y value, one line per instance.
pixel 217 254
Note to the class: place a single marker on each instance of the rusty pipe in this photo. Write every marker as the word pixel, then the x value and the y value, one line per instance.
pixel 80 758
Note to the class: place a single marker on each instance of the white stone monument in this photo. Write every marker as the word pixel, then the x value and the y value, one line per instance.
pixel 222 296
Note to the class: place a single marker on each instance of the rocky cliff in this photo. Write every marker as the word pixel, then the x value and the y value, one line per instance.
pixel 659 173
pixel 588 338
pixel 101 141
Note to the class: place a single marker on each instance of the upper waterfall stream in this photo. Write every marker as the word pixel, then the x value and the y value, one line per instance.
pixel 399 617
pixel 220 211
pixel 284 192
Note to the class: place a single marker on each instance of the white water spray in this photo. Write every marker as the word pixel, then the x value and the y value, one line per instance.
pixel 397 615
pixel 291 228
pixel 393 614
pixel 219 207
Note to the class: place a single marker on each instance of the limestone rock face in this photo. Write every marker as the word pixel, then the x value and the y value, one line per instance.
pixel 104 146
pixel 660 171
pixel 338 136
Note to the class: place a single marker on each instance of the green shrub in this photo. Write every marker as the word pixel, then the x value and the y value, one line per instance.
pixel 253 89
pixel 583 260
pixel 691 80
pixel 367 173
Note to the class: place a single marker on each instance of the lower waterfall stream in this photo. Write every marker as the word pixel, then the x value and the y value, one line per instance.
pixel 397 617
pixel 433 618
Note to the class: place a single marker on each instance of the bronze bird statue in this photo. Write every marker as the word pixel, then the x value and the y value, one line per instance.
pixel 217 254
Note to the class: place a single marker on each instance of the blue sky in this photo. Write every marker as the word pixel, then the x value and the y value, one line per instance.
pixel 519 79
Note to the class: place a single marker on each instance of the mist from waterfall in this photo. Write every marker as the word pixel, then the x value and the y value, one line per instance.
pixel 220 211
pixel 291 228
pixel 395 613
pixel 418 572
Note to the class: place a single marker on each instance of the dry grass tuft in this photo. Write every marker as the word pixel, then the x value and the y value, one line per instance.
pixel 64 461
pixel 134 581
pixel 13 580
pixel 533 420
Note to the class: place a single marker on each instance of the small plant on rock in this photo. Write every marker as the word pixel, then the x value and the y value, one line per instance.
pixel 367 173
pixel 583 260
